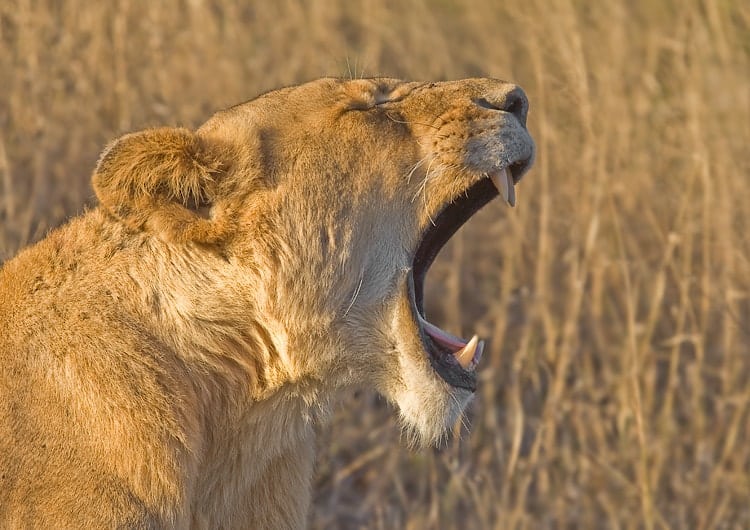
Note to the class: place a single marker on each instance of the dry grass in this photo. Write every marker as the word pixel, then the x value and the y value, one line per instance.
pixel 616 390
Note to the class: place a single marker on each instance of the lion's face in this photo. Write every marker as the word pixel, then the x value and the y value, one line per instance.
pixel 332 199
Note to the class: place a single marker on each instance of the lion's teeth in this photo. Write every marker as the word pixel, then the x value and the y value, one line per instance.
pixel 503 181
pixel 465 355
pixel 511 198
pixel 477 355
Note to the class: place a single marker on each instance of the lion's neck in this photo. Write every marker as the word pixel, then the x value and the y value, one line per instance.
pixel 263 460
pixel 254 408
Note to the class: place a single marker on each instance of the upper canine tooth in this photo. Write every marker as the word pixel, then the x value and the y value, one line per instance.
pixel 511 198
pixel 501 183
pixel 465 355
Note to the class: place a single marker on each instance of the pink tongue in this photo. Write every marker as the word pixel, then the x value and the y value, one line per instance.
pixel 441 337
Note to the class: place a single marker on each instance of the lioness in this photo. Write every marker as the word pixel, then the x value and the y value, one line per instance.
pixel 165 356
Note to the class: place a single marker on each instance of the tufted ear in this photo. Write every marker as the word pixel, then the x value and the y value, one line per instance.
pixel 164 180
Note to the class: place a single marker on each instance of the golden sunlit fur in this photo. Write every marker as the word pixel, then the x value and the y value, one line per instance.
pixel 165 356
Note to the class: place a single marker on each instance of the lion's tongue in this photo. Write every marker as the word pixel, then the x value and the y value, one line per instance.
pixel 466 353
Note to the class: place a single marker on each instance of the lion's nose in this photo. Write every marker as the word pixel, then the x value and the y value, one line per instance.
pixel 510 99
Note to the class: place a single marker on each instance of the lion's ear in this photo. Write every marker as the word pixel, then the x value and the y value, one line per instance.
pixel 163 180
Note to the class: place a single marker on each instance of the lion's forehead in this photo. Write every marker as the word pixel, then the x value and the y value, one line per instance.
pixel 318 107
pixel 331 93
pixel 335 94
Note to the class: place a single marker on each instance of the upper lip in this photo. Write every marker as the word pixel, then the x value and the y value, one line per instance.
pixel 441 346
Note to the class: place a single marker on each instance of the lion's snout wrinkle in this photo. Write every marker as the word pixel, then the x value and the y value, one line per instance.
pixel 195 326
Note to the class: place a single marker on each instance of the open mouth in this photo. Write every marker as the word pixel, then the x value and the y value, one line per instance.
pixel 454 358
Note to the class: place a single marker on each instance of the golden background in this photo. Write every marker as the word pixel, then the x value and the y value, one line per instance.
pixel 615 391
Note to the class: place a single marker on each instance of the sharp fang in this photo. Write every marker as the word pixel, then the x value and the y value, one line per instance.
pixel 501 183
pixel 511 198
pixel 477 355
pixel 465 355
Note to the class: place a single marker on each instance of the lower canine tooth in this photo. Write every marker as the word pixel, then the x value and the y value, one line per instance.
pixel 477 355
pixel 465 355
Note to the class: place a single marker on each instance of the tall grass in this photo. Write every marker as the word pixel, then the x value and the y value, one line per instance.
pixel 616 390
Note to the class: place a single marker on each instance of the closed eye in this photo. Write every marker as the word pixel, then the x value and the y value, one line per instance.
pixel 389 100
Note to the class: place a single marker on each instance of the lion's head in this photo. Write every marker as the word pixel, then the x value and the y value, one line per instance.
pixel 326 203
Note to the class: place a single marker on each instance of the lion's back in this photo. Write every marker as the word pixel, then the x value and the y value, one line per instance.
pixel 62 375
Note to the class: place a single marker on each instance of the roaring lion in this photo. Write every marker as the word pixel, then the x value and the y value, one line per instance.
pixel 165 356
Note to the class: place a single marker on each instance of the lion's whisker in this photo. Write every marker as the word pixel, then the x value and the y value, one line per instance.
pixel 415 167
pixel 356 293
pixel 423 186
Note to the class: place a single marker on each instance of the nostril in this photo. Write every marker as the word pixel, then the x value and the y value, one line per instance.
pixel 516 104
pixel 513 102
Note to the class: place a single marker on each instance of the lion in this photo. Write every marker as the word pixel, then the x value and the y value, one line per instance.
pixel 166 356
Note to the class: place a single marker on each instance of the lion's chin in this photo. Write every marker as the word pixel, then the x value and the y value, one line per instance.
pixel 427 412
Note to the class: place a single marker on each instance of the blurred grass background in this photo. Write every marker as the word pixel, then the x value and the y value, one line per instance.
pixel 615 392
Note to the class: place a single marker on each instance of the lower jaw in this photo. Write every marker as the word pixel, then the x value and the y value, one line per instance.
pixel 442 363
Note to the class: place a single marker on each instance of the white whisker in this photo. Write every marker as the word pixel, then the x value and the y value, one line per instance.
pixel 423 186
pixel 356 293
pixel 415 167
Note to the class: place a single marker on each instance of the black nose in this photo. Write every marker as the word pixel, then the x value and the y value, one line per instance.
pixel 513 101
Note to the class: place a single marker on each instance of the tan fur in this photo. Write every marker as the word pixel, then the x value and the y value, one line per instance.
pixel 164 357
